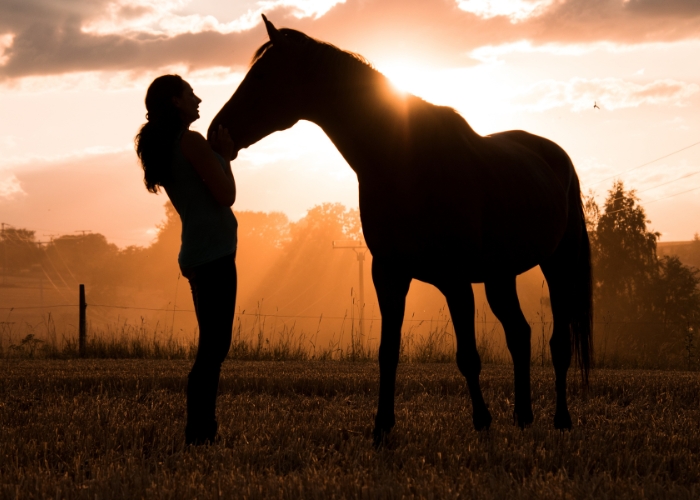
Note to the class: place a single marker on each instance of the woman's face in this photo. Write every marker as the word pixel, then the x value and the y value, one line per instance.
pixel 188 104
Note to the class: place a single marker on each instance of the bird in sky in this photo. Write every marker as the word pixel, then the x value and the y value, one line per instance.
pixel 595 105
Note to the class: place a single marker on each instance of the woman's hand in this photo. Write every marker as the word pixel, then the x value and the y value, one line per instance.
pixel 217 177
pixel 221 142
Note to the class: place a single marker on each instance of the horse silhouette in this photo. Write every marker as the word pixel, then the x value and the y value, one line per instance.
pixel 438 203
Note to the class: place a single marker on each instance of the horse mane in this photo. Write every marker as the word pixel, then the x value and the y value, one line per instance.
pixel 304 38
pixel 359 64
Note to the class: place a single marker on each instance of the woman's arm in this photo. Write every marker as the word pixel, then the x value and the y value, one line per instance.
pixel 219 180
pixel 221 142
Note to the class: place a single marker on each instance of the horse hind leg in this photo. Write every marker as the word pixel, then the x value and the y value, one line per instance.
pixel 560 343
pixel 460 300
pixel 503 300
pixel 568 274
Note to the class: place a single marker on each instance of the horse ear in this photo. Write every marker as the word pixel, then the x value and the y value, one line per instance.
pixel 276 37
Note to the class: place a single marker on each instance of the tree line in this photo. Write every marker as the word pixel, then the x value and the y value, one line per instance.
pixel 643 302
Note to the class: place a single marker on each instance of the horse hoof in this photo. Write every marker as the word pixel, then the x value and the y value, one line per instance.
pixel 562 421
pixel 482 420
pixel 523 418
pixel 380 437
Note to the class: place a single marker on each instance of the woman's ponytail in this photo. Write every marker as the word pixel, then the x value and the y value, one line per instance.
pixel 156 139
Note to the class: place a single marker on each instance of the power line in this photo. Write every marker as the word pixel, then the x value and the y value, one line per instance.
pixel 37 307
pixel 643 164
pixel 59 233
pixel 658 199
pixel 55 249
pixel 673 195
pixel 662 184
pixel 670 182
pixel 28 243
pixel 141 308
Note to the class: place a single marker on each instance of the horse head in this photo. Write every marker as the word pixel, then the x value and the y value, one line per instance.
pixel 272 96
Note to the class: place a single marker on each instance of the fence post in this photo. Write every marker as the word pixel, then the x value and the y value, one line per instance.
pixel 82 336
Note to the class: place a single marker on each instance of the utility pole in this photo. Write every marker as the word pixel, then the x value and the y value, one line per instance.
pixel 360 250
pixel 3 238
pixel 82 327
pixel 40 266
pixel 41 290
pixel 4 252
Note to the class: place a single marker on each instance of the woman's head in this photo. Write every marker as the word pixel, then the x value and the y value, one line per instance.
pixel 170 98
pixel 171 106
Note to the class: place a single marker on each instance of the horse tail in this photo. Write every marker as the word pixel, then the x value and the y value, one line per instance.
pixel 582 304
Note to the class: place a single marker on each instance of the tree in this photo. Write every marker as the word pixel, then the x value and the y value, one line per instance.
pixel 677 296
pixel 652 302
pixel 308 272
pixel 18 249
pixel 328 220
pixel 87 258
pixel 262 229
pixel 624 257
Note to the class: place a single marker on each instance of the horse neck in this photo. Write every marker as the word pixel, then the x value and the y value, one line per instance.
pixel 363 117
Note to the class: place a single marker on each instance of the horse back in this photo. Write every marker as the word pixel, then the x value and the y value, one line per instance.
pixel 448 194
pixel 550 152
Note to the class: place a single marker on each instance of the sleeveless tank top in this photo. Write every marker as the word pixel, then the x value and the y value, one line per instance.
pixel 208 228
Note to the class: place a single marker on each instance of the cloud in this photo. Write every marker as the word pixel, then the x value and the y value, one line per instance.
pixel 495 53
pixel 6 42
pixel 102 188
pixel 65 48
pixel 609 93
pixel 622 21
pixel 102 192
pixel 9 186
pixel 39 37
pixel 160 18
pixel 515 10
pixel 119 80
pixel 8 141
pixel 166 17
pixel 44 37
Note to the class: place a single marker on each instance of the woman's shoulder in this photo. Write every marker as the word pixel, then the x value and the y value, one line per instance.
pixel 193 143
pixel 192 138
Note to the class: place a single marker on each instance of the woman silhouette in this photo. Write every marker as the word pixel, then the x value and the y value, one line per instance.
pixel 197 177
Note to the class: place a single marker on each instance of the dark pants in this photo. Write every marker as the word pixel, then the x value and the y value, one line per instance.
pixel 214 293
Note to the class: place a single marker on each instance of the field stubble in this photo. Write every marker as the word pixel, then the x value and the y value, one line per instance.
pixel 114 429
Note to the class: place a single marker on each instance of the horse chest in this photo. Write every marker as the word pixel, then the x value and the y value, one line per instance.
pixel 407 220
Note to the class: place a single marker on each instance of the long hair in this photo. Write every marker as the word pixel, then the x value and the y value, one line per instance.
pixel 156 139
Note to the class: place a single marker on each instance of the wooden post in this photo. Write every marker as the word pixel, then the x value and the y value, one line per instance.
pixel 361 261
pixel 82 334
pixel 360 249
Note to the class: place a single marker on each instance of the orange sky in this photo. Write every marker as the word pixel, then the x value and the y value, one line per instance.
pixel 73 76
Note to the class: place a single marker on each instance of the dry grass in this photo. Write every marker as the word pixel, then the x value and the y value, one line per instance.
pixel 114 429
pixel 254 339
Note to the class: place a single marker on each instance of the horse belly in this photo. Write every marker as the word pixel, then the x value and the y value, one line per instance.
pixel 524 220
pixel 501 219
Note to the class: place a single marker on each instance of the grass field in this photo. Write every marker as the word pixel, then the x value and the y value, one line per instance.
pixel 103 429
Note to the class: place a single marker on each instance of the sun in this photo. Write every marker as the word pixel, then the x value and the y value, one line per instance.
pixel 407 76
pixel 436 85
pixel 480 95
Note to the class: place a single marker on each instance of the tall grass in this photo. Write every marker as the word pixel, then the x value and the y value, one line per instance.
pixel 255 337
pixel 264 337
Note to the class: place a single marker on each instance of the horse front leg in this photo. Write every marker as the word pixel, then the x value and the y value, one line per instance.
pixel 392 283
